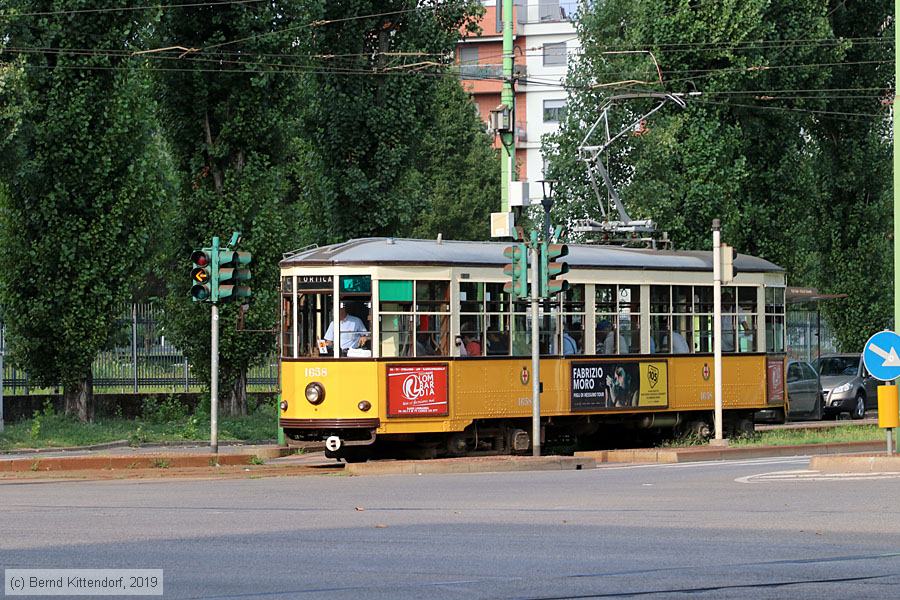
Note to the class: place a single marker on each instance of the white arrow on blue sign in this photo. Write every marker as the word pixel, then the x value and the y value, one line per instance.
pixel 882 355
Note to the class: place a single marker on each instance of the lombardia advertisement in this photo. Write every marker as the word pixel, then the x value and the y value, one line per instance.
pixel 417 390
pixel 619 384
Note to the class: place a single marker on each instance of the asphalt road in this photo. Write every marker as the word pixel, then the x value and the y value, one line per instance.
pixel 754 529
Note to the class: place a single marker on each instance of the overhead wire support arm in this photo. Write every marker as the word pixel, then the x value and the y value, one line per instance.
pixel 590 154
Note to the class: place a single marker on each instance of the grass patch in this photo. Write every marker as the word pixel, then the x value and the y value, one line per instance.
pixel 795 437
pixel 162 422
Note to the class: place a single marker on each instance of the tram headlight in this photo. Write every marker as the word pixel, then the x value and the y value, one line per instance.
pixel 315 393
pixel 364 405
pixel 283 405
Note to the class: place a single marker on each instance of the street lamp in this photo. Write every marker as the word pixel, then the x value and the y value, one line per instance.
pixel 547 186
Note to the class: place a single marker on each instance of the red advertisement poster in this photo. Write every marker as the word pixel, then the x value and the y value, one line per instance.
pixel 775 380
pixel 417 391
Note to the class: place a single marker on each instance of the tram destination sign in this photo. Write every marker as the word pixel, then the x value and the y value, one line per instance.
pixel 315 282
pixel 619 384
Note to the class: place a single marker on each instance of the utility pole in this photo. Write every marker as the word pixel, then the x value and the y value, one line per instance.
pixel 507 98
pixel 896 168
pixel 717 326
pixel 2 352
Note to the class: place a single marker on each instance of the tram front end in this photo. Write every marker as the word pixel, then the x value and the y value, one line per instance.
pixel 330 402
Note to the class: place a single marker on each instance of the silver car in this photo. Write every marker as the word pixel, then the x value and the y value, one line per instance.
pixel 847 386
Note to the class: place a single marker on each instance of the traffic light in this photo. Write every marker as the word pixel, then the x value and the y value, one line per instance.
pixel 516 270
pixel 729 254
pixel 231 274
pixel 202 275
pixel 550 270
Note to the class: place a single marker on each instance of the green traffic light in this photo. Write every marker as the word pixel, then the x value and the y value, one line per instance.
pixel 550 270
pixel 517 271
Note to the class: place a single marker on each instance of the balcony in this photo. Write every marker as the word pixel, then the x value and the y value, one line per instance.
pixel 488 71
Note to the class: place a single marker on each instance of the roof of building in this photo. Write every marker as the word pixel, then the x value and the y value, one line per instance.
pixel 397 251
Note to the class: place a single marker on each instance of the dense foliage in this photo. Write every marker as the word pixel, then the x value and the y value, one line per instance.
pixel 797 169
pixel 79 186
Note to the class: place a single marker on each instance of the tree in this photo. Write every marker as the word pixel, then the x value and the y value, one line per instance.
pixel 749 147
pixel 79 188
pixel 372 127
pixel 854 227
pixel 230 114
pixel 459 170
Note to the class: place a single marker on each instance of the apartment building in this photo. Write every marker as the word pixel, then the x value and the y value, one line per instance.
pixel 544 42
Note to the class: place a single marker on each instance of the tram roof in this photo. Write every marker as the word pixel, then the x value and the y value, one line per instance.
pixel 399 251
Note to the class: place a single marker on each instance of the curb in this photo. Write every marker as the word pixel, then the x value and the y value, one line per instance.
pixel 138 461
pixel 703 453
pixel 881 463
pixel 103 446
pixel 467 465
pixel 124 443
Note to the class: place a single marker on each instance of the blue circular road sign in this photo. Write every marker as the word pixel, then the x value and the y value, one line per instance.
pixel 881 355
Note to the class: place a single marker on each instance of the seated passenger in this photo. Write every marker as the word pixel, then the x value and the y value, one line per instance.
pixel 606 339
pixel 569 345
pixel 423 345
pixel 497 344
pixel 679 345
pixel 473 344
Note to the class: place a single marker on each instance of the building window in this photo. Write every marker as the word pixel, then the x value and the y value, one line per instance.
pixel 555 55
pixel 558 10
pixel 468 60
pixel 554 111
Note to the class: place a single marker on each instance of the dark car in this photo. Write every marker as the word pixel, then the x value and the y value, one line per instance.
pixel 804 394
pixel 804 391
pixel 847 386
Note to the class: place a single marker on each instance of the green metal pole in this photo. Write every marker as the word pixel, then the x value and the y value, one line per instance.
pixel 508 152
pixel 896 133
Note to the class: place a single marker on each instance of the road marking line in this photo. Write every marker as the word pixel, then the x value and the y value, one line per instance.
pixel 816 476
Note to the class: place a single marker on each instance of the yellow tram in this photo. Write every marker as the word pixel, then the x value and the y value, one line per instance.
pixel 428 350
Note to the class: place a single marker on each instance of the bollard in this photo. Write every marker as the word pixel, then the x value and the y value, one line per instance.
pixel 888 411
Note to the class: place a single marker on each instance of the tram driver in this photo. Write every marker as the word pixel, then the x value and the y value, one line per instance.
pixel 353 332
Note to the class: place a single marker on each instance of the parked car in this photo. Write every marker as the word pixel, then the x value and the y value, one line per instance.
pixel 847 386
pixel 804 392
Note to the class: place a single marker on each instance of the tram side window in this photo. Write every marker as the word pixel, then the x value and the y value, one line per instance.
pixel 414 318
pixel 674 326
pixel 287 317
pixel 660 318
pixel 472 340
pixel 572 330
pixel 739 314
pixel 314 315
pixel 497 320
pixel 703 318
pixel 355 315
pixel 747 314
pixel 774 319
pixel 618 314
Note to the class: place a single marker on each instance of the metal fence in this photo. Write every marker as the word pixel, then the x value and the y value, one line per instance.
pixel 141 360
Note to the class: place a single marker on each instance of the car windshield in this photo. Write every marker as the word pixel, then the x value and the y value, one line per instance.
pixel 838 365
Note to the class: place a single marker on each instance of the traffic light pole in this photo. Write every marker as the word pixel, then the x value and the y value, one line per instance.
pixel 214 383
pixel 535 350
